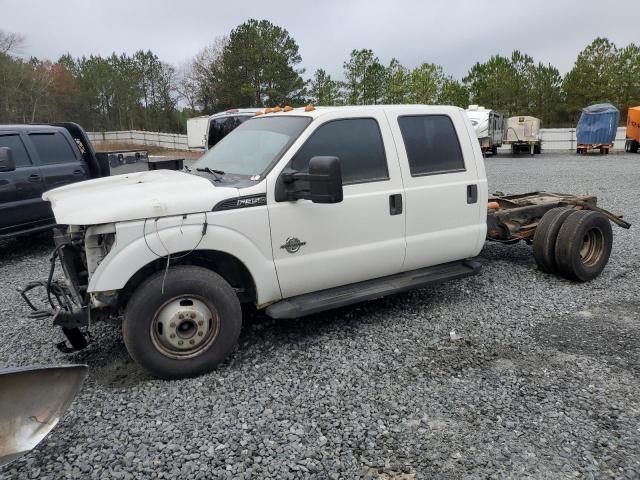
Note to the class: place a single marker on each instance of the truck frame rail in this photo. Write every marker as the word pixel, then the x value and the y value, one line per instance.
pixel 511 218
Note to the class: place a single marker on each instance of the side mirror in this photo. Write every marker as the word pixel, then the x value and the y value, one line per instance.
pixel 324 182
pixel 7 163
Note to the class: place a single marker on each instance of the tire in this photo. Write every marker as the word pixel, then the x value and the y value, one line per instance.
pixel 583 245
pixel 156 321
pixel 633 148
pixel 494 150
pixel 544 239
pixel 537 148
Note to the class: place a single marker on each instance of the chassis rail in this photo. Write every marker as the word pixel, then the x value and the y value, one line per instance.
pixel 511 218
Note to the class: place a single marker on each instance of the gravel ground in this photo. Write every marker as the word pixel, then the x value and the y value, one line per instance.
pixel 544 382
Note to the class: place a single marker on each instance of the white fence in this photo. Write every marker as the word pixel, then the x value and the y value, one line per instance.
pixel 552 138
pixel 174 141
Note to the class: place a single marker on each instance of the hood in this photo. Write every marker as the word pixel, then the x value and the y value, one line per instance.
pixel 157 193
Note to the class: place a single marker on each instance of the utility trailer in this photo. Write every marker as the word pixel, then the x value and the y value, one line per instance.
pixel 523 134
pixel 596 129
pixel 632 135
pixel 570 234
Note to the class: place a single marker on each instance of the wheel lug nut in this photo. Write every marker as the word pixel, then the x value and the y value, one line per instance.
pixel 180 316
pixel 180 342
pixel 192 342
pixel 200 334
pixel 172 324
pixel 200 322
pixel 173 335
pixel 193 315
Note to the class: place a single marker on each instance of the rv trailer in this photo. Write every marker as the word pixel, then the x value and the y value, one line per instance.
pixel 489 127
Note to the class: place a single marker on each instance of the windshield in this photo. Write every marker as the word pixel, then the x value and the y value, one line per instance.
pixel 252 147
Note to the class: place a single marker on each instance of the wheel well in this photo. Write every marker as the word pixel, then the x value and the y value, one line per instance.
pixel 227 266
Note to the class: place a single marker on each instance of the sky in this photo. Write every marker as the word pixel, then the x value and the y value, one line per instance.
pixel 452 33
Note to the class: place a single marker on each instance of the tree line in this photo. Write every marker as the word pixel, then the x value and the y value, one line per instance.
pixel 258 64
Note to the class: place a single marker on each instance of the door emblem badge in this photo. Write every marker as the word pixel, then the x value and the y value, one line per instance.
pixel 292 245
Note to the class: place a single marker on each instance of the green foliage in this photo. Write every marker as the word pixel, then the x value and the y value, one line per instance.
pixel 604 73
pixel 517 86
pixel 365 78
pixel 325 91
pixel 397 83
pixel 259 66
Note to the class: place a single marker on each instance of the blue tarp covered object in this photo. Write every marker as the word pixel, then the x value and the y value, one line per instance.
pixel 598 124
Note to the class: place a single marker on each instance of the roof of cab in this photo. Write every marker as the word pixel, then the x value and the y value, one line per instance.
pixel 320 111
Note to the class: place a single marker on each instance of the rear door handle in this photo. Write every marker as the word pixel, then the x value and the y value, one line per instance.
pixel 395 204
pixel 78 172
pixel 472 193
pixel 34 177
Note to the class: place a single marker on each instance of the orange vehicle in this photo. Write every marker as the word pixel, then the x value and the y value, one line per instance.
pixel 633 130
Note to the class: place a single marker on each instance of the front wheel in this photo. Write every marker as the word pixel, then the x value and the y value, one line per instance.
pixel 182 324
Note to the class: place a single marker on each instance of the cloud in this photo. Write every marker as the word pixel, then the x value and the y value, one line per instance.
pixel 452 33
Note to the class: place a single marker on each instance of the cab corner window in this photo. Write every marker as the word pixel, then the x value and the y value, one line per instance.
pixel 432 144
pixel 356 142
pixel 18 151
pixel 52 148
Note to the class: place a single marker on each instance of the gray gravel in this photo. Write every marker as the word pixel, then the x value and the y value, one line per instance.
pixel 543 383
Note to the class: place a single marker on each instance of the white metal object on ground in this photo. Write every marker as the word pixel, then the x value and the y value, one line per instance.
pixel 32 402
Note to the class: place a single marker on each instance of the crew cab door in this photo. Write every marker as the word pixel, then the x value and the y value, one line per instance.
pixel 21 190
pixel 445 187
pixel 60 161
pixel 319 246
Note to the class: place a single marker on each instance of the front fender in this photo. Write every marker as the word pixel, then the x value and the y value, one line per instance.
pixel 139 243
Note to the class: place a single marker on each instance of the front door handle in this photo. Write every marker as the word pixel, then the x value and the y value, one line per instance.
pixel 77 173
pixel 34 177
pixel 395 204
pixel 472 193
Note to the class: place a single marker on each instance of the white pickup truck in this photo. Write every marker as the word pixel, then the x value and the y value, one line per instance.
pixel 295 212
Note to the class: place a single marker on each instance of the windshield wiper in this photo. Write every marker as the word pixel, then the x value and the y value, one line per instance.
pixel 211 171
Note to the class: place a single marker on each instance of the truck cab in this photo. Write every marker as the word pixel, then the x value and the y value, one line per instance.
pixel 294 212
pixel 205 131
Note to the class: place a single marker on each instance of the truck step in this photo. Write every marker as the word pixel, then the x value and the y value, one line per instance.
pixel 370 289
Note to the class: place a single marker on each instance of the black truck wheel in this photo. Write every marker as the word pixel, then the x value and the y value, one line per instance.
pixel 633 147
pixel 544 239
pixel 583 245
pixel 184 328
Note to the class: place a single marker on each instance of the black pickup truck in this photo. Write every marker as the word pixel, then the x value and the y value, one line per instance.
pixel 37 158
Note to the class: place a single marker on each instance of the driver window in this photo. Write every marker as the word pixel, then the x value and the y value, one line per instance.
pixel 356 142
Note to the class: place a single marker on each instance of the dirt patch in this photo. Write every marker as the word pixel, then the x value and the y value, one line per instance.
pixel 611 331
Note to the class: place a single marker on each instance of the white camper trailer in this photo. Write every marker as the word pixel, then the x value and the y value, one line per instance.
pixel 204 132
pixel 523 134
pixel 489 127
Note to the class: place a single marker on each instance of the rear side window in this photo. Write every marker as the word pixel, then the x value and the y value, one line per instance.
pixel 52 148
pixel 356 142
pixel 19 152
pixel 432 144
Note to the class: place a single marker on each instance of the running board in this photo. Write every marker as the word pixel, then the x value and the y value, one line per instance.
pixel 309 303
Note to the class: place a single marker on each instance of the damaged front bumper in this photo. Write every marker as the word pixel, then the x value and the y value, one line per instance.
pixel 67 301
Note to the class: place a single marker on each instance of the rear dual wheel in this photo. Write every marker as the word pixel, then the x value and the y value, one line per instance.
pixel 575 244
